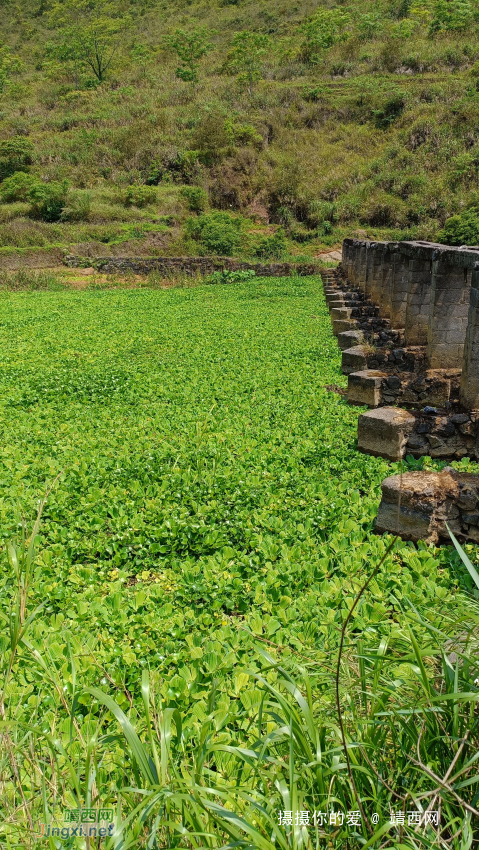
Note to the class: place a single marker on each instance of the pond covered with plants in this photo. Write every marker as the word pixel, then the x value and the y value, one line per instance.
pixel 210 527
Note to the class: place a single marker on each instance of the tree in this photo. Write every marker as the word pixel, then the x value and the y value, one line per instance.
pixel 89 34
pixel 246 57
pixel 190 48
pixel 452 15
pixel 8 65
pixel 16 154
pixel 141 56
pixel 323 29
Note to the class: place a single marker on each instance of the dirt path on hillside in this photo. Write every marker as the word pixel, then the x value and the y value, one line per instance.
pixel 335 256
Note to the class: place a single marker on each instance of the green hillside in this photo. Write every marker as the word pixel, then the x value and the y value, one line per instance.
pixel 295 124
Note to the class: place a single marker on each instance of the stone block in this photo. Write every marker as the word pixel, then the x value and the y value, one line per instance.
pixel 384 432
pixel 417 505
pixel 341 325
pixel 353 359
pixel 340 313
pixel 364 387
pixel 348 339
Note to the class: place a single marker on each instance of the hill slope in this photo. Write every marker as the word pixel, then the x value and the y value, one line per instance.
pixel 327 118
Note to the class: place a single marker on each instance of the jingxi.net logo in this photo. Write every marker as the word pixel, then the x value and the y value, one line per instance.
pixel 87 823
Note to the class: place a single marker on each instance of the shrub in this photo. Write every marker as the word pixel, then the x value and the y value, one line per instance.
pixel 17 187
pixel 272 247
pixel 461 229
pixel 210 138
pixel 243 134
pixel 240 276
pixel 383 210
pixel 301 234
pixel 315 93
pixel 196 198
pixel 389 111
pixel 452 15
pixel 465 168
pixel 218 232
pixel 139 196
pixel 175 165
pixel 78 208
pixel 48 199
pixel 368 25
pixel 320 212
pixel 323 29
pixel 15 155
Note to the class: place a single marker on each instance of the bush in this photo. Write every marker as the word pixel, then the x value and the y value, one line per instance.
pixel 461 229
pixel 243 134
pixel 388 112
pixel 301 234
pixel 323 29
pixel 17 187
pixel 465 168
pixel 177 166
pixel 272 247
pixel 383 210
pixel 48 199
pixel 452 15
pixel 139 196
pixel 211 138
pixel 218 232
pixel 15 155
pixel 196 198
pixel 78 208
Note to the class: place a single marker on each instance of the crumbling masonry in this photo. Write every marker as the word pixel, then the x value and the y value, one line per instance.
pixel 406 315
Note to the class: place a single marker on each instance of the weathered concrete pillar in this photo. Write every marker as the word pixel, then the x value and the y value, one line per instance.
pixel 418 299
pixel 469 390
pixel 385 290
pixel 449 307
pixel 375 266
pixel 353 250
pixel 362 266
pixel 347 261
pixel 421 505
pixel 348 339
pixel 399 288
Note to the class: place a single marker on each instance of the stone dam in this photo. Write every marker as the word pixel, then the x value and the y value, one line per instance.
pixel 406 316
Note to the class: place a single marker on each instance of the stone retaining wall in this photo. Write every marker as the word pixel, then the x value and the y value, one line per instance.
pixel 191 266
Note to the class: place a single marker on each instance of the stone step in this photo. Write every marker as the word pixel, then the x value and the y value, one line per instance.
pixel 384 432
pixel 354 359
pixel 364 387
pixel 349 339
pixel 340 313
pixel 341 325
